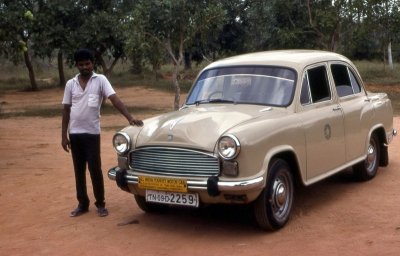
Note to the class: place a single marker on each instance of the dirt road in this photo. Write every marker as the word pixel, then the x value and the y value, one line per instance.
pixel 334 217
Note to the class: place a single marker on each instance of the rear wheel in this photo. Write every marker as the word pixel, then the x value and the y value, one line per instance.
pixel 272 208
pixel 368 168
pixel 150 207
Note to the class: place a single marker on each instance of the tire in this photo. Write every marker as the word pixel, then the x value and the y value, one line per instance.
pixel 368 168
pixel 150 207
pixel 272 208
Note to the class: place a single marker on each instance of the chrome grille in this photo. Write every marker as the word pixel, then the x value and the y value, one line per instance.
pixel 174 161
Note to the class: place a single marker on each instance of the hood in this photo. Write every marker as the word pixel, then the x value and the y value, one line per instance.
pixel 196 126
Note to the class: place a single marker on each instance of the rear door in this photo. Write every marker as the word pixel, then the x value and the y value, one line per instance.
pixel 357 109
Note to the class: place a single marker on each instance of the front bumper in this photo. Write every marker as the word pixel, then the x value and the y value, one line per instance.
pixel 212 185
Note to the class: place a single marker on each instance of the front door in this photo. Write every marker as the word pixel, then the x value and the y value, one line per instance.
pixel 323 125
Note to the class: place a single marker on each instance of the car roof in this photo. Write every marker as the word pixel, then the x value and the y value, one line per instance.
pixel 296 59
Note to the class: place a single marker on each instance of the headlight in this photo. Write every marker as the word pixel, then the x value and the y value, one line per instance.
pixel 121 142
pixel 228 147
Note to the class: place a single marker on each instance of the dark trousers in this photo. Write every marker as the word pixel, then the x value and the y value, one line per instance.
pixel 85 149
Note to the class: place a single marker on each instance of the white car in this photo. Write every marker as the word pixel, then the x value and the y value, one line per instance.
pixel 252 127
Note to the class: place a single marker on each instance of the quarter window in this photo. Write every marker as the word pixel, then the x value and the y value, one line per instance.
pixel 354 83
pixel 305 97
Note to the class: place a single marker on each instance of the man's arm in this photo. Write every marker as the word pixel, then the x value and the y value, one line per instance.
pixel 64 127
pixel 117 103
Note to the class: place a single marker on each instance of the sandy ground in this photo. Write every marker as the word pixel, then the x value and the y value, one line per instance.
pixel 334 217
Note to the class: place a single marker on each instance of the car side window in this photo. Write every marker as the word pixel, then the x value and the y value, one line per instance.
pixel 354 83
pixel 345 81
pixel 315 86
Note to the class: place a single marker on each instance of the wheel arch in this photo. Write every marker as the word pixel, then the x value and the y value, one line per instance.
pixel 291 158
pixel 384 154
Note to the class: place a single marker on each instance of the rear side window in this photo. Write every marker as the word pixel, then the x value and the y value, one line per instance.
pixel 345 81
pixel 315 86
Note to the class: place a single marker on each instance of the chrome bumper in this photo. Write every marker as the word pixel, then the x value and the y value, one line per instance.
pixel 390 136
pixel 194 185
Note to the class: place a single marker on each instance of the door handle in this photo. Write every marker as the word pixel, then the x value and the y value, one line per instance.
pixel 337 108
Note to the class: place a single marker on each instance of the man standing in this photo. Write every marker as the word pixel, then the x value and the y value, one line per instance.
pixel 82 100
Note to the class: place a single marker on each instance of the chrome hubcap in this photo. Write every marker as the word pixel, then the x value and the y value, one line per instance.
pixel 371 158
pixel 281 197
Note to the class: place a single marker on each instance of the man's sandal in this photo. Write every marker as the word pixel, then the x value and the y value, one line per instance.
pixel 102 211
pixel 77 212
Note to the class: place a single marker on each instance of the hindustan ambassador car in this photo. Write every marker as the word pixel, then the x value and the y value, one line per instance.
pixel 251 128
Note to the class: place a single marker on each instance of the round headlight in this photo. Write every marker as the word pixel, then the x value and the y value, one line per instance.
pixel 121 142
pixel 228 147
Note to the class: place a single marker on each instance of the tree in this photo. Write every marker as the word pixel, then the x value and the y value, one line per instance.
pixel 232 38
pixel 16 21
pixel 173 25
pixel 386 14
pixel 57 21
pixel 103 30
pixel 326 18
pixel 277 24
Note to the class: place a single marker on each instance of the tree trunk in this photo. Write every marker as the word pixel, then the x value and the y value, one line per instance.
pixel 137 67
pixel 177 87
pixel 106 70
pixel 188 61
pixel 28 64
pixel 390 58
pixel 60 65
pixel 177 64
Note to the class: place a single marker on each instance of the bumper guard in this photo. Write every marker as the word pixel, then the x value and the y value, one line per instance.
pixel 213 185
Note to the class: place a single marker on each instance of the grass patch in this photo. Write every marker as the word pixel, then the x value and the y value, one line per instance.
pixel 33 112
pixel 378 73
pixel 16 78
pixel 150 79
pixel 46 74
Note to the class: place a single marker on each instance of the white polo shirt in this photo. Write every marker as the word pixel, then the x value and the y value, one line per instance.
pixel 85 104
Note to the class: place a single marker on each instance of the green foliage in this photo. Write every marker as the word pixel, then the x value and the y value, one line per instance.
pixel 16 25
pixel 158 32
pixel 172 25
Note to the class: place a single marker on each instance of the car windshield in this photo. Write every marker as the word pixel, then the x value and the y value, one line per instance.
pixel 249 85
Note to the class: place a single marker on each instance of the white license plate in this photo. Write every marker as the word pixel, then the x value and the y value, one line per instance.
pixel 165 197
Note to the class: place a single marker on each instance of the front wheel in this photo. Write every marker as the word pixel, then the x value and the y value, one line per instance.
pixel 367 169
pixel 272 208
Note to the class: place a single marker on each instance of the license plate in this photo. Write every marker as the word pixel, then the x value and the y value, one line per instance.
pixel 164 184
pixel 165 197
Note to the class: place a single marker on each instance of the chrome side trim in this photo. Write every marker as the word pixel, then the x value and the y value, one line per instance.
pixel 193 185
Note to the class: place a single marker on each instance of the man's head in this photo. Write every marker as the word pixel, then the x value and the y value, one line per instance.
pixel 84 60
pixel 83 54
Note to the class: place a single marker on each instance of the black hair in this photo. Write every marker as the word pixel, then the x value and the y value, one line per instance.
pixel 83 54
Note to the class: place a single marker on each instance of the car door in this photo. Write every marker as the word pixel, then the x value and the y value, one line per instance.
pixel 323 124
pixel 357 109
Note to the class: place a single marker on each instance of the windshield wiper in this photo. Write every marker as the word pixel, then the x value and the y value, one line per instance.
pixel 221 101
pixel 198 102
